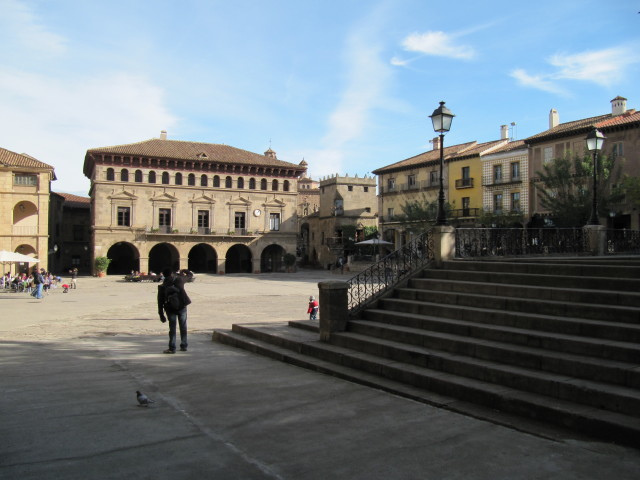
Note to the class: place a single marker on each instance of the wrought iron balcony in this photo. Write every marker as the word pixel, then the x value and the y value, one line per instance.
pixel 464 183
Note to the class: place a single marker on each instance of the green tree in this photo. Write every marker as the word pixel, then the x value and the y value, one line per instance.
pixel 566 188
pixel 419 215
pixel 630 188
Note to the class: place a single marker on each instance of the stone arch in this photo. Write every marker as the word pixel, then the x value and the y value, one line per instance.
pixel 271 259
pixel 28 250
pixel 164 255
pixel 25 214
pixel 124 258
pixel 203 259
pixel 238 259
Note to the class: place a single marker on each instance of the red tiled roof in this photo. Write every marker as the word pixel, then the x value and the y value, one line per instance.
pixel 584 125
pixel 508 147
pixel 12 159
pixel 74 199
pixel 182 150
pixel 423 158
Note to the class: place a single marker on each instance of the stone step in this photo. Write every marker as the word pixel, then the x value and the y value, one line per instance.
pixel 502 326
pixel 439 387
pixel 564 308
pixel 543 280
pixel 541 268
pixel 561 363
pixel 586 392
pixel 576 295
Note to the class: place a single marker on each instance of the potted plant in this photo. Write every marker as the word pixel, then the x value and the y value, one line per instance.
pixel 289 262
pixel 101 264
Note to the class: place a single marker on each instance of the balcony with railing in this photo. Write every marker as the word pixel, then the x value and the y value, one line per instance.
pixel 492 180
pixel 464 183
pixel 408 187
pixel 24 231
pixel 195 231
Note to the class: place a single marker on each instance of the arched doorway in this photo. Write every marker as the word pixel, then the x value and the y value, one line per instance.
pixel 203 259
pixel 24 267
pixel 124 258
pixel 238 260
pixel 164 255
pixel 271 259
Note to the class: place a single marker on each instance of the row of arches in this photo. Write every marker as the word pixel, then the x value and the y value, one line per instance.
pixel 202 258
pixel 191 180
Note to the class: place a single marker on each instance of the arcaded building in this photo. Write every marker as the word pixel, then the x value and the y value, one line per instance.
pixel 204 207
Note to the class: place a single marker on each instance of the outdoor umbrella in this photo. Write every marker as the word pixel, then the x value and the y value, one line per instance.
pixel 14 257
pixel 374 242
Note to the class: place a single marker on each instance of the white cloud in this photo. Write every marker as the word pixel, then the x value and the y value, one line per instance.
pixel 21 25
pixel 439 44
pixel 539 82
pixel 56 120
pixel 367 76
pixel 604 67
pixel 398 62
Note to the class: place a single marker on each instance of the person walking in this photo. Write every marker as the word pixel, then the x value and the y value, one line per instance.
pixel 38 282
pixel 173 300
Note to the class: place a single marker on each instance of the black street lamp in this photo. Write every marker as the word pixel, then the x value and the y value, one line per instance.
pixel 441 118
pixel 595 139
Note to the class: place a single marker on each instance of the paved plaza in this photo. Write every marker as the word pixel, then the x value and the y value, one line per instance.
pixel 72 362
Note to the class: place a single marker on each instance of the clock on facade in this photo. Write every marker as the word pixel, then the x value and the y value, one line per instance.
pixel 257 212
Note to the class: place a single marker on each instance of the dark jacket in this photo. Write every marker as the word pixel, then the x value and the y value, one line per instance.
pixel 178 282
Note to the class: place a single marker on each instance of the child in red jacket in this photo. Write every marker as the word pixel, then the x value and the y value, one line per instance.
pixel 313 308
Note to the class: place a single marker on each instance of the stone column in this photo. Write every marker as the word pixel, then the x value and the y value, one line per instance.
pixel 597 235
pixel 334 309
pixel 221 265
pixel 444 244
pixel 144 264
pixel 256 264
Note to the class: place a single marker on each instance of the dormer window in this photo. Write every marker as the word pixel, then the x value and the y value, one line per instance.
pixel 202 155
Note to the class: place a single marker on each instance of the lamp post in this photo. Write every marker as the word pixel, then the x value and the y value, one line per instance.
pixel 441 118
pixel 595 139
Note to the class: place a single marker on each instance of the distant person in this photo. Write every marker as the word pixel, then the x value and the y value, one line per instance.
pixel 313 308
pixel 173 300
pixel 74 277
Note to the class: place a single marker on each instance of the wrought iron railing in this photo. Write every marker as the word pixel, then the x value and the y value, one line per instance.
pixel 389 271
pixel 623 241
pixel 493 242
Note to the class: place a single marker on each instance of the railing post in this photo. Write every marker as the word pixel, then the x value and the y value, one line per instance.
pixel 334 308
pixel 444 244
pixel 597 238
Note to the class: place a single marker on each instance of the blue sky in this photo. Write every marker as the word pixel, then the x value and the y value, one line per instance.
pixel 347 85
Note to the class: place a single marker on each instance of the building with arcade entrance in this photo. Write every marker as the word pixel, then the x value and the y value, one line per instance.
pixel 208 208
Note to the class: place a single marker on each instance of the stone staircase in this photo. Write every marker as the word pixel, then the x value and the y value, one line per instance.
pixel 547 346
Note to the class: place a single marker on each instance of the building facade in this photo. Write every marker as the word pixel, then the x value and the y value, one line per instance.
pixel 69 233
pixel 187 205
pixel 344 202
pixel 25 184
pixel 505 180
pixel 621 128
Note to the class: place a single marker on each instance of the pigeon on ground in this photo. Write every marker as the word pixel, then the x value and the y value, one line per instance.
pixel 143 400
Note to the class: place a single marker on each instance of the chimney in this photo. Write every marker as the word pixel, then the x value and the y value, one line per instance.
pixel 504 132
pixel 163 135
pixel 618 105
pixel 554 118
pixel 436 143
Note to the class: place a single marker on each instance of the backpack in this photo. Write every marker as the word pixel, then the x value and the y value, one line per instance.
pixel 173 299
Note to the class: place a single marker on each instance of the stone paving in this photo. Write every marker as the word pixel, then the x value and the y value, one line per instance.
pixel 71 364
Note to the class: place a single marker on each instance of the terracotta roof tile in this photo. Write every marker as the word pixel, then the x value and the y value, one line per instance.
pixel 74 199
pixel 12 159
pixel 182 150
pixel 423 158
pixel 508 147
pixel 585 124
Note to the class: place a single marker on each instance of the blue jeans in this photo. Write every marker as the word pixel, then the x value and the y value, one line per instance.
pixel 181 319
pixel 38 291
